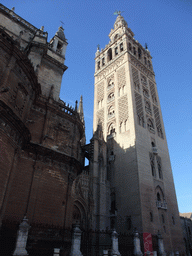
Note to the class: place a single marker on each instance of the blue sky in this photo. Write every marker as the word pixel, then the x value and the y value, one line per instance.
pixel 165 25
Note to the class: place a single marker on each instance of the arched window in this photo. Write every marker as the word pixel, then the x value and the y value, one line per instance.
pixel 152 162
pixel 103 62
pixel 111 96
pixel 158 197
pixel 116 37
pixel 111 129
pixel 116 50
pixel 98 65
pixel 121 47
pixel 109 55
pixel 111 111
pixel 110 83
pixel 134 51
pixel 139 53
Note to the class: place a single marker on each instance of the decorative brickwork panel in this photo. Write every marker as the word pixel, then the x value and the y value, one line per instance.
pixel 121 77
pixel 135 75
pixel 158 121
pixel 139 109
pixel 123 108
pixel 144 80
pixel 153 93
pixel 100 91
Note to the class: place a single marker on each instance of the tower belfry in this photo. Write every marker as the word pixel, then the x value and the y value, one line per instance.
pixel 127 107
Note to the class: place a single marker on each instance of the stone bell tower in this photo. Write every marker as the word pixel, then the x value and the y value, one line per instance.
pixel 127 106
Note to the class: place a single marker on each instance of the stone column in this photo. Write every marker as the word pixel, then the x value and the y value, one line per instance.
pixel 115 245
pixel 161 245
pixel 76 241
pixel 137 244
pixel 22 236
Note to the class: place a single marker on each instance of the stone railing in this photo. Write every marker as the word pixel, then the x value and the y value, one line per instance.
pixel 17 17
pixel 162 205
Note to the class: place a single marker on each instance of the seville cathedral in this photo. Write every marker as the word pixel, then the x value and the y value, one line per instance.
pixel 126 194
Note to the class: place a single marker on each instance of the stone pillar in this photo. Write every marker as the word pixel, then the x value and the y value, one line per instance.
pixel 137 244
pixel 161 245
pixel 105 252
pixel 22 236
pixel 115 245
pixel 76 241
pixel 55 43
pixel 56 252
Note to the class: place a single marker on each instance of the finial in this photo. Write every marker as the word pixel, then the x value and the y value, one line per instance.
pixel 76 105
pixel 13 9
pixel 98 47
pixel 117 13
pixel 146 46
pixel 42 28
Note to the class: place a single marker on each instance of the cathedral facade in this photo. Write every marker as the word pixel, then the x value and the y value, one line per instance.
pixel 40 135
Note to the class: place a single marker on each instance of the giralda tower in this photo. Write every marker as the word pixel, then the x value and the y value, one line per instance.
pixel 127 107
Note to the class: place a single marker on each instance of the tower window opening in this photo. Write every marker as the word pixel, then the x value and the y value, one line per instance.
pixel 120 128
pixel 152 162
pixel 134 51
pixel 173 220
pixel 116 50
pixel 125 125
pixel 163 219
pixel 109 54
pixel 98 65
pixel 145 60
pixel 158 197
pixel 59 46
pixel 121 47
pixel 159 168
pixel 151 216
pixel 149 64
pixel 103 62
pixel 139 53
pixel 130 47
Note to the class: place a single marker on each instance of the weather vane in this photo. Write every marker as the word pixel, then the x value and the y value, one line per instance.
pixel 62 23
pixel 117 12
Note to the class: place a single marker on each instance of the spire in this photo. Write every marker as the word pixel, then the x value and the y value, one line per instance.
pixel 80 109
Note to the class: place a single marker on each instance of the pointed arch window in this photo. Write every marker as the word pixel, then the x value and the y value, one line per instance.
pixel 109 54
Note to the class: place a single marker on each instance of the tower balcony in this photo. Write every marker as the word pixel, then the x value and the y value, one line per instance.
pixel 161 205
pixel 155 150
